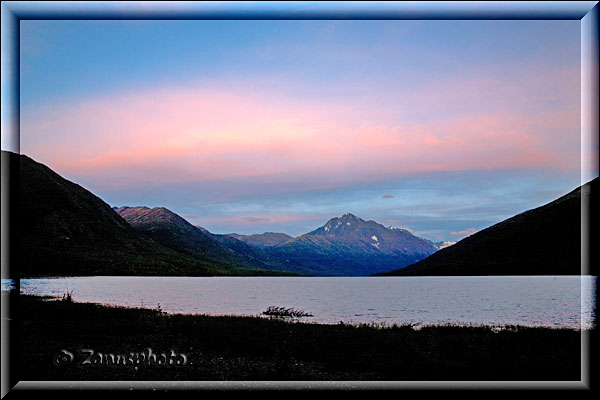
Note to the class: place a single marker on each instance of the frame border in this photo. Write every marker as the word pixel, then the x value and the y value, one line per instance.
pixel 12 12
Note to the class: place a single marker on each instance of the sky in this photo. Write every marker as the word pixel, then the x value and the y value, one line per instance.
pixel 440 127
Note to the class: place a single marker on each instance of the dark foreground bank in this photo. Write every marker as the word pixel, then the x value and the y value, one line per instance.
pixel 62 340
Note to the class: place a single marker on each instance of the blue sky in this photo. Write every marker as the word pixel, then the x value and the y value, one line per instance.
pixel 441 127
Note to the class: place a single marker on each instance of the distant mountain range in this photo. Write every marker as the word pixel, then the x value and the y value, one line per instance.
pixel 343 246
pixel 64 230
pixel 542 241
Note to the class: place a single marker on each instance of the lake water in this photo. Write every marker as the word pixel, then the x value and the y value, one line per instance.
pixel 561 301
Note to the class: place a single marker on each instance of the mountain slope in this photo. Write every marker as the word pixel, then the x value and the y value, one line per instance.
pixel 266 239
pixel 65 230
pixel 348 245
pixel 172 231
pixel 542 241
pixel 257 253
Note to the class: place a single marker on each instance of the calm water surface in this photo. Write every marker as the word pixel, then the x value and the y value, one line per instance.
pixel 533 301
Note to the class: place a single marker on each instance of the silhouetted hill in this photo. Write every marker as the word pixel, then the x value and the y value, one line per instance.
pixel 64 230
pixel 542 241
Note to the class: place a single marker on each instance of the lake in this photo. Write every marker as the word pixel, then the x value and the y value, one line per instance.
pixel 553 301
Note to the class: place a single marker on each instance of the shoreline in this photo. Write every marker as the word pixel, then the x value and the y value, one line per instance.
pixel 265 349
pixel 308 321
pixel 385 313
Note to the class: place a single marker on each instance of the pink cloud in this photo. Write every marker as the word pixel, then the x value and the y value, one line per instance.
pixel 176 134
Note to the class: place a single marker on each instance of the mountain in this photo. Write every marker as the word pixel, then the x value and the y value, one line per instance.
pixel 170 230
pixel 267 239
pixel 350 246
pixel 64 230
pixel 370 237
pixel 542 241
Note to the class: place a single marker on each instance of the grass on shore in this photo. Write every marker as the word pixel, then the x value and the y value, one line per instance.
pixel 258 349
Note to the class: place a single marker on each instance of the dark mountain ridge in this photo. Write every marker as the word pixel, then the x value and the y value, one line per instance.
pixel 64 230
pixel 542 241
